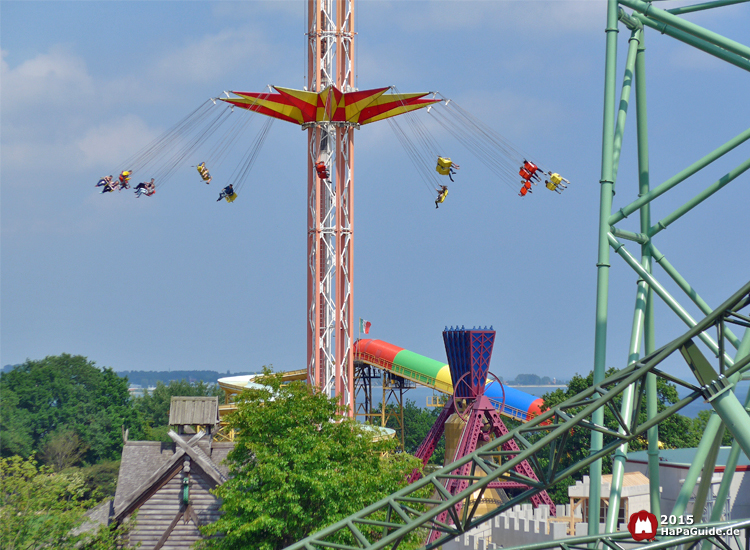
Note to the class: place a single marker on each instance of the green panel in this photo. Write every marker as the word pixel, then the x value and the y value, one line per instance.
pixel 417 363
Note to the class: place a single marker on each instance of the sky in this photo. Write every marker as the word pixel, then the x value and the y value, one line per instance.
pixel 181 281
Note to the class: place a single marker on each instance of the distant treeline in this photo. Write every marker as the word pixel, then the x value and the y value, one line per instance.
pixel 149 378
pixel 534 380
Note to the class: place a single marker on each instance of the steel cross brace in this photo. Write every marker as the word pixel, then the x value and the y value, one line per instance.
pixel 545 435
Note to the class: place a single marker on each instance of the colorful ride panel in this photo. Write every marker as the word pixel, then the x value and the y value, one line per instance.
pixel 434 374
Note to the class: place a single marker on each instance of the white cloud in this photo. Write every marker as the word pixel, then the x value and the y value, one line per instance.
pixel 214 56
pixel 110 143
pixel 54 79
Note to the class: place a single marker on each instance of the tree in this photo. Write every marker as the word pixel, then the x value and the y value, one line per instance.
pixel 63 450
pixel 674 433
pixel 42 509
pixel 699 426
pixel 527 380
pixel 417 424
pixel 154 407
pixel 297 467
pixel 61 393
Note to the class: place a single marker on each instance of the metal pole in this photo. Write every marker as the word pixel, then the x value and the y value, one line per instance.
pixel 602 265
pixel 689 290
pixel 716 390
pixel 626 411
pixel 707 474
pixel 344 307
pixel 699 198
pixel 704 6
pixel 625 211
pixel 734 454
pixel 664 295
pixel 691 40
pixel 622 112
pixel 649 336
pixel 626 407
pixel 701 454
pixel 667 18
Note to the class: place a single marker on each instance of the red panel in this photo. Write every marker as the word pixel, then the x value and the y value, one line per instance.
pixel 375 110
pixel 377 349
pixel 262 110
pixel 307 109
pixel 535 409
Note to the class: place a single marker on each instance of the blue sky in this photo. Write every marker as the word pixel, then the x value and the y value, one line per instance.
pixel 179 281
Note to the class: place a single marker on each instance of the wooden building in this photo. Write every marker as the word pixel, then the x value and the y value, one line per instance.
pixel 169 484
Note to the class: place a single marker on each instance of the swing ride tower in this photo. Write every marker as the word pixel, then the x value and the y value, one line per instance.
pixel 330 214
pixel 330 109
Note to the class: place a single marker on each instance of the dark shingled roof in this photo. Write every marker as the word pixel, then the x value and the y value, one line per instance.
pixel 202 411
pixel 142 459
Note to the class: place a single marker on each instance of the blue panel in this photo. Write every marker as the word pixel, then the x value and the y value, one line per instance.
pixel 469 353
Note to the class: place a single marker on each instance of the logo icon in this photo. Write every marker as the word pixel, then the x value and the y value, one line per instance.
pixel 642 526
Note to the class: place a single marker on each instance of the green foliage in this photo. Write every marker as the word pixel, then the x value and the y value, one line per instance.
pixel 153 407
pixel 699 426
pixel 62 394
pixel 675 432
pixel 37 507
pixel 417 424
pixel 100 480
pixel 42 509
pixel 63 449
pixel 297 467
pixel 15 424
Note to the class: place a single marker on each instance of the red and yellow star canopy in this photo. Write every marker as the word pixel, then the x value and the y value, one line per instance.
pixel 331 104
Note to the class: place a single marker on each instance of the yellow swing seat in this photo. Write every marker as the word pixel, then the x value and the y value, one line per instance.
pixel 230 198
pixel 203 171
pixel 444 166
pixel 441 198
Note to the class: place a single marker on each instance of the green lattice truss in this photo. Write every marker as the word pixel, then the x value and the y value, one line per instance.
pixel 543 442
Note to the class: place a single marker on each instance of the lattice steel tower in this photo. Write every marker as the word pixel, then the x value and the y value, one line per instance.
pixel 330 365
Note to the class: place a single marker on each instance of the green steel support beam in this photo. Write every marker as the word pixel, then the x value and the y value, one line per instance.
pixel 640 238
pixel 607 183
pixel 699 198
pixel 707 474
pixel 691 40
pixel 704 6
pixel 689 290
pixel 734 453
pixel 625 211
pixel 637 336
pixel 649 337
pixel 743 351
pixel 626 410
pixel 622 111
pixel 667 18
pixel 545 433
pixel 701 454
pixel 664 295
pixel 721 398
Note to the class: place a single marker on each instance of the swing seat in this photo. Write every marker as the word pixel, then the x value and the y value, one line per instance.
pixel 203 171
pixel 444 166
pixel 230 198
pixel 441 198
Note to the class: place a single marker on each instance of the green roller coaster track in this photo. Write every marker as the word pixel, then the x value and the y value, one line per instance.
pixel 543 440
